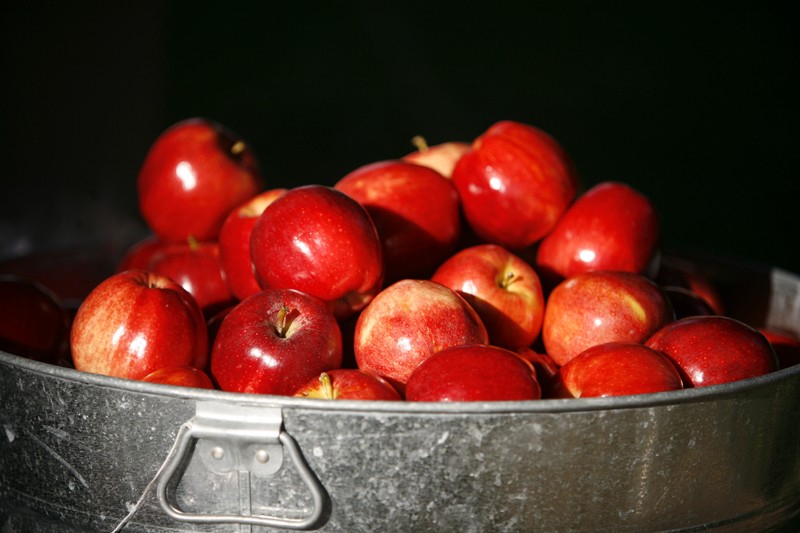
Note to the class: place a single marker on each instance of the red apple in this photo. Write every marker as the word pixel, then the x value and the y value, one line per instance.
pixel 234 243
pixel 182 376
pixel 348 384
pixel 785 344
pixel 617 369
pixel 473 372
pixel 33 321
pixel 503 289
pixel 409 321
pixel 610 227
pixel 709 350
pixel 514 184
pixel 194 174
pixel 136 322
pixel 601 306
pixel 197 267
pixel 275 341
pixel 415 210
pixel 321 241
pixel 441 157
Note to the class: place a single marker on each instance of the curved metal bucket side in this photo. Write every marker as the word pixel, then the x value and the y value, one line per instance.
pixel 78 450
pixel 87 452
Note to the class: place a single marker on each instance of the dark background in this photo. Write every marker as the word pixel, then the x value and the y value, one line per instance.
pixel 694 104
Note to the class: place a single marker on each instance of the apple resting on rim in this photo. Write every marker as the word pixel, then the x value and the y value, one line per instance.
pixel 181 376
pixel 616 369
pixel 471 373
pixel 710 350
pixel 136 322
pixel 348 384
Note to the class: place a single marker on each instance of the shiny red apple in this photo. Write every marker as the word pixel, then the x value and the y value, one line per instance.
pixel 197 267
pixel 348 384
pixel 611 226
pixel 710 350
pixel 275 341
pixel 136 322
pixel 408 322
pixel 415 210
pixel 473 372
pixel 515 183
pixel 33 321
pixel 617 369
pixel 193 175
pixel 234 243
pixel 601 306
pixel 182 376
pixel 440 157
pixel 503 289
pixel 320 241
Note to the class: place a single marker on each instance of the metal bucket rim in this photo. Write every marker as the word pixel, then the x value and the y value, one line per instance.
pixel 548 405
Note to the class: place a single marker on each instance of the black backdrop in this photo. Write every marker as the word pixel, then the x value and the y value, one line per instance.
pixel 695 104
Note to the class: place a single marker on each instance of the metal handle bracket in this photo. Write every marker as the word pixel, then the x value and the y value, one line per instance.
pixel 248 439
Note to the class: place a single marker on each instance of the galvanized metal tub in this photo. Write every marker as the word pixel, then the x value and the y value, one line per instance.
pixel 81 452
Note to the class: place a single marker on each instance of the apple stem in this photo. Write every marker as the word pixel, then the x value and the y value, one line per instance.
pixel 283 326
pixel 420 142
pixel 327 385
pixel 285 318
pixel 194 244
pixel 507 280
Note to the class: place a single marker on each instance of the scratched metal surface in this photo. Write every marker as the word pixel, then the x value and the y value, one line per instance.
pixel 86 452
pixel 77 451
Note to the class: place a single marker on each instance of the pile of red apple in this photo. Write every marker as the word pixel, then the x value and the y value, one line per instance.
pixel 459 272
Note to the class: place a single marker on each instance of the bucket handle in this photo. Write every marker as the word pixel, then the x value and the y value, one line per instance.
pixel 247 439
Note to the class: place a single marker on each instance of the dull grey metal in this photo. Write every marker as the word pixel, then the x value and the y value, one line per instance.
pixel 245 440
pixel 78 451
